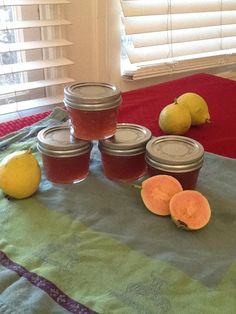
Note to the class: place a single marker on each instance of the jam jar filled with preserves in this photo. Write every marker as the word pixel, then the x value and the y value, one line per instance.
pixel 93 109
pixel 65 158
pixel 178 156
pixel 123 155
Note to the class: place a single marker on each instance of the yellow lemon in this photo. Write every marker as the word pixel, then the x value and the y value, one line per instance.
pixel 20 174
pixel 174 119
pixel 197 106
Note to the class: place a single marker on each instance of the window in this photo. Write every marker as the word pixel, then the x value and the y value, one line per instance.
pixel 8 36
pixel 33 56
pixel 170 36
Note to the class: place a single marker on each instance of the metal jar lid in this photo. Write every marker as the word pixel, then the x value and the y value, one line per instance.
pixel 92 96
pixel 129 139
pixel 174 153
pixel 58 142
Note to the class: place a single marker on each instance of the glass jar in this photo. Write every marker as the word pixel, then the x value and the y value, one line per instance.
pixel 123 155
pixel 65 158
pixel 178 156
pixel 93 109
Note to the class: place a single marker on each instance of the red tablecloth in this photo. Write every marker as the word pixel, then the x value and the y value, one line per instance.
pixel 17 124
pixel 142 106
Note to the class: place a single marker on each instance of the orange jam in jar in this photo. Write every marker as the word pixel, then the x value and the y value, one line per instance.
pixel 123 155
pixel 65 158
pixel 93 109
pixel 178 156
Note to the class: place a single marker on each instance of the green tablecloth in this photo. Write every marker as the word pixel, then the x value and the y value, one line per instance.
pixel 97 242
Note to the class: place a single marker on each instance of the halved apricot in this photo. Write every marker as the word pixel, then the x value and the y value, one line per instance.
pixel 157 192
pixel 190 210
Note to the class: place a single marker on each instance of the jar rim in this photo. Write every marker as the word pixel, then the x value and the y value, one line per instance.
pixel 178 168
pixel 120 152
pixel 92 106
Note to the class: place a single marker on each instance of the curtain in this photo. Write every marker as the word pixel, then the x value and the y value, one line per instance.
pixel 33 56
pixel 170 36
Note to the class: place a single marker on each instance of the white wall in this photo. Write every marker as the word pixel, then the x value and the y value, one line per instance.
pixel 95 33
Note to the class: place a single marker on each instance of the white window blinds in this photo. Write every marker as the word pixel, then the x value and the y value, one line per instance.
pixel 33 57
pixel 166 36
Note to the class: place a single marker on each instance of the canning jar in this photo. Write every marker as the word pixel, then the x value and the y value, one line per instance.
pixel 123 155
pixel 178 156
pixel 65 158
pixel 93 109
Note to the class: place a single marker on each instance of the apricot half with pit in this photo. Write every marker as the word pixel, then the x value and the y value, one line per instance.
pixel 190 210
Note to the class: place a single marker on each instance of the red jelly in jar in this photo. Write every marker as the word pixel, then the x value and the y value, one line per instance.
pixel 123 155
pixel 178 156
pixel 65 158
pixel 93 109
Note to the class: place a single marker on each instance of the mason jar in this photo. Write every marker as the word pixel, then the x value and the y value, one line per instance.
pixel 178 156
pixel 123 154
pixel 93 109
pixel 65 158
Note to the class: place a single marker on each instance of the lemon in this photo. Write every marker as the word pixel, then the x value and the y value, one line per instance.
pixel 174 119
pixel 20 174
pixel 197 106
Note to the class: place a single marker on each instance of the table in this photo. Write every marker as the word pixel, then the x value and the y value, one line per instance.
pixel 93 247
pixel 143 106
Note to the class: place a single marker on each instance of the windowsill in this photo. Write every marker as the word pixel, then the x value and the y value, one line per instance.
pixel 26 113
